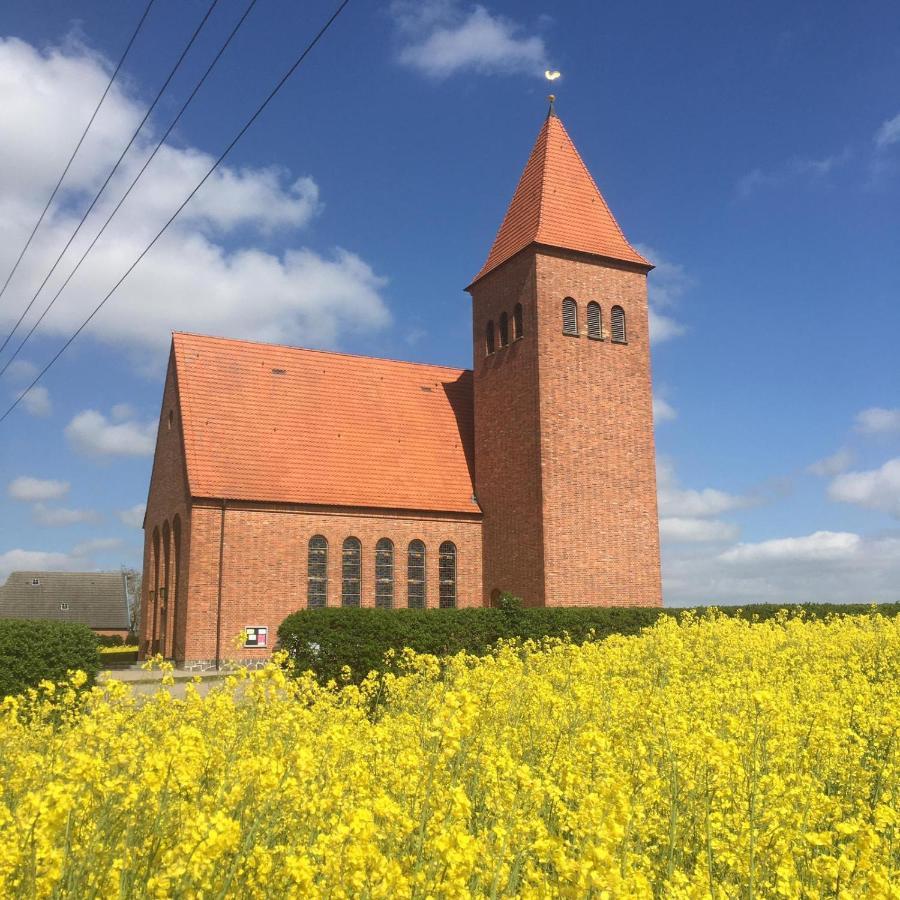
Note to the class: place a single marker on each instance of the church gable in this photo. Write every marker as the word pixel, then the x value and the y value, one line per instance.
pixel 278 424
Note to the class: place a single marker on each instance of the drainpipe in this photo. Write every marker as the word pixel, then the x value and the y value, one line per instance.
pixel 219 598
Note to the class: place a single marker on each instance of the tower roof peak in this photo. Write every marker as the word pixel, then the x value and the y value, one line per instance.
pixel 557 203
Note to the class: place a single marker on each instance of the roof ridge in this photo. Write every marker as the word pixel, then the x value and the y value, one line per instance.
pixel 341 353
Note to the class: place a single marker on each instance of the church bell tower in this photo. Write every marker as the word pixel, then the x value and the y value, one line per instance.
pixel 564 451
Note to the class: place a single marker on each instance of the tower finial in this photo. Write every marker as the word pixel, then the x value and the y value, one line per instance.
pixel 551 76
pixel 552 99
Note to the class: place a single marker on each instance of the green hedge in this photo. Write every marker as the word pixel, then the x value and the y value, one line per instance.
pixel 32 650
pixel 326 640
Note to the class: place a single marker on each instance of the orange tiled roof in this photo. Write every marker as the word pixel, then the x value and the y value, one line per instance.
pixel 271 423
pixel 557 203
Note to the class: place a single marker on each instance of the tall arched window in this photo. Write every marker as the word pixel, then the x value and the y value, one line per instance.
pixel 489 338
pixel 384 573
pixel 447 575
pixel 504 329
pixel 415 575
pixel 317 573
pixel 594 321
pixel 617 325
pixel 570 316
pixel 518 325
pixel 351 570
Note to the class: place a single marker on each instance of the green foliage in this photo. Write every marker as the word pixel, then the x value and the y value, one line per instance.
pixel 327 640
pixel 110 640
pixel 32 650
pixel 509 601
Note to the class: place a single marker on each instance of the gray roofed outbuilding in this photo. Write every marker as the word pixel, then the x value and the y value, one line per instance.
pixel 96 599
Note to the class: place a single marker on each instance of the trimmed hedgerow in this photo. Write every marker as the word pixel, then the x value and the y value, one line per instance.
pixel 32 650
pixel 327 640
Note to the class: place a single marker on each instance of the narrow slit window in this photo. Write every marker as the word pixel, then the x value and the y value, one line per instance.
pixel 317 573
pixel 489 346
pixel 617 325
pixel 447 575
pixel 351 570
pixel 384 574
pixel 570 316
pixel 518 325
pixel 594 321
pixel 415 575
pixel 504 329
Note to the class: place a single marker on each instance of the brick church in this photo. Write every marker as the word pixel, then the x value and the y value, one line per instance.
pixel 287 478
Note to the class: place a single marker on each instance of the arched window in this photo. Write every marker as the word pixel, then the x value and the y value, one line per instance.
pixel 594 321
pixel 570 316
pixel 384 573
pixel 617 324
pixel 415 575
pixel 489 338
pixel 504 329
pixel 447 575
pixel 351 570
pixel 317 573
pixel 518 326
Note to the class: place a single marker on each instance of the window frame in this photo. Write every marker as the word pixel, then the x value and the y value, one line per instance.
pixel 416 581
pixel 350 544
pixel 618 312
pixel 504 330
pixel 518 322
pixel 490 342
pixel 384 573
pixel 320 580
pixel 570 309
pixel 595 329
pixel 448 555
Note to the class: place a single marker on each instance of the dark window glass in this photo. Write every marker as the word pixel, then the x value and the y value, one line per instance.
pixel 504 329
pixel 594 321
pixel 570 316
pixel 317 572
pixel 518 326
pixel 617 325
pixel 489 338
pixel 351 570
pixel 447 575
pixel 384 574
pixel 415 575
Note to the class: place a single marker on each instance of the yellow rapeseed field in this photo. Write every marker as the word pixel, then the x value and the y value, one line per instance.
pixel 711 758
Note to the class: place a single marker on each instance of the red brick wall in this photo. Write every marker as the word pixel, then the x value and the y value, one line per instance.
pixel 507 435
pixel 162 626
pixel 601 531
pixel 265 564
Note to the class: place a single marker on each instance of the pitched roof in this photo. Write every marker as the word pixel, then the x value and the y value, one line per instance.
pixel 95 599
pixel 557 203
pixel 272 423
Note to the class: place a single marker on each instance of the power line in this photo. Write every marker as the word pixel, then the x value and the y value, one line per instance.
pixel 296 64
pixel 65 171
pixel 113 171
pixel 135 180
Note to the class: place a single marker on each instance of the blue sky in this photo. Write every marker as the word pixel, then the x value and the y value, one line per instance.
pixel 752 150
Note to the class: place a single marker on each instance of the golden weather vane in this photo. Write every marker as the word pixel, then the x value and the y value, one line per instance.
pixel 551 75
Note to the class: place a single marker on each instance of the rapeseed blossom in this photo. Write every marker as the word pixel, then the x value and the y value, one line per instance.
pixel 706 758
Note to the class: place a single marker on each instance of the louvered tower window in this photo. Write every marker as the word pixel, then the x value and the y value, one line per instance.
pixel 351 566
pixel 594 321
pixel 447 575
pixel 570 316
pixel 415 575
pixel 384 574
pixel 617 325
pixel 317 573
pixel 504 329
pixel 518 325
pixel 489 346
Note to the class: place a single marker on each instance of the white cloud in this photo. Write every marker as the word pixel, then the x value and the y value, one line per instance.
pixel 60 515
pixel 133 516
pixel 888 133
pixel 31 490
pixel 877 489
pixel 36 560
pixel 666 285
pixel 678 529
pixel 820 546
pixel 442 37
pixel 878 420
pixel 663 411
pixel 798 168
pixel 92 434
pixel 205 274
pixel 832 465
pixel 37 401
pixel 21 370
pixel 94 545
pixel 680 502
